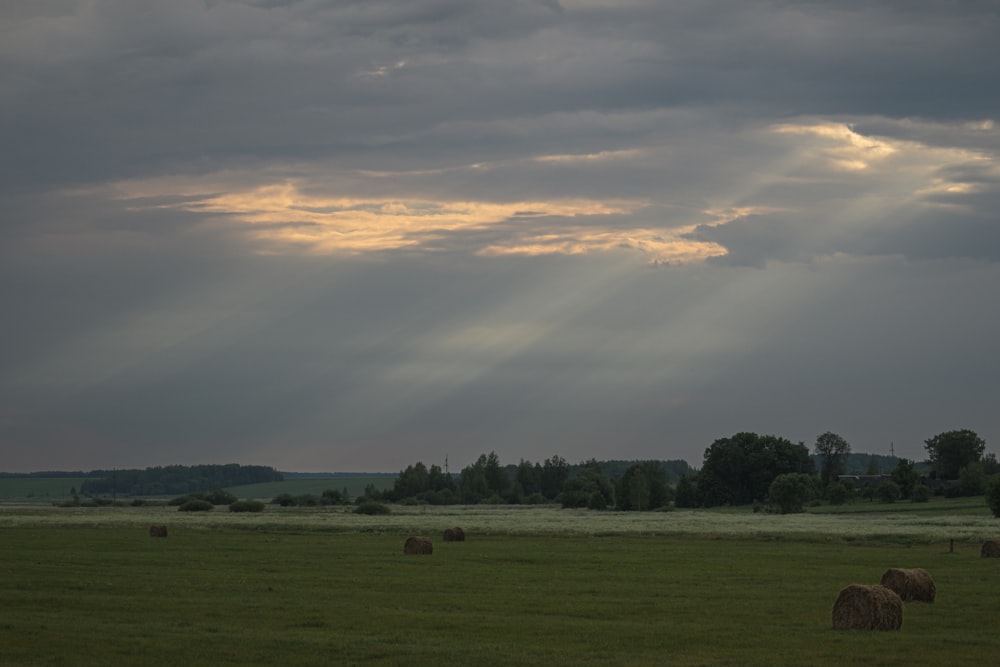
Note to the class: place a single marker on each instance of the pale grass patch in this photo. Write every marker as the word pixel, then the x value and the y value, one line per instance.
pixel 527 520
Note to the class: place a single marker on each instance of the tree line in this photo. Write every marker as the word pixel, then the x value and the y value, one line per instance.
pixel 594 484
pixel 743 469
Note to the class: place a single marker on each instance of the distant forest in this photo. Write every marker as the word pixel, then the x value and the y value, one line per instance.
pixel 170 480
pixel 179 479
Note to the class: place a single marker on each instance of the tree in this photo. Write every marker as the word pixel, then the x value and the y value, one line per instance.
pixel 581 491
pixel 951 451
pixel 472 482
pixel 972 480
pixel 838 493
pixel 739 470
pixel 834 450
pixel 553 475
pixel 888 491
pixel 789 492
pixel 686 493
pixel 643 486
pixel 496 475
pixel 990 464
pixel 439 480
pixel 526 477
pixel 993 496
pixel 905 477
pixel 412 481
pixel 920 494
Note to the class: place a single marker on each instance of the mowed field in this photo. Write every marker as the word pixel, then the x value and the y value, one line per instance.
pixel 530 586
pixel 62 488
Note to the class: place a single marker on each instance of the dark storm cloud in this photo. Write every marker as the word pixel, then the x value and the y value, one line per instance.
pixel 366 233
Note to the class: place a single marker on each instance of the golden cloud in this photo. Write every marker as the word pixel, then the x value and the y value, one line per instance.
pixel 283 218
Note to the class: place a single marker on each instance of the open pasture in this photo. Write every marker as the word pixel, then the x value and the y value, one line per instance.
pixel 90 587
pixel 39 488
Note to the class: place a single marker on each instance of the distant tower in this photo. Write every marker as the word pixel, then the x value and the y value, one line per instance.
pixel 445 464
pixel 892 449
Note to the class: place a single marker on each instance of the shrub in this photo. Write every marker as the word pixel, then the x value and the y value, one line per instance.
pixel 218 497
pixel 838 494
pixel 285 500
pixel 789 492
pixel 247 506
pixel 372 507
pixel 196 505
pixel 332 497
pixel 888 491
pixel 993 496
pixel 921 494
pixel 597 501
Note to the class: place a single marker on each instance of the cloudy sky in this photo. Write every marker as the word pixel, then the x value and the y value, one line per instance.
pixel 354 235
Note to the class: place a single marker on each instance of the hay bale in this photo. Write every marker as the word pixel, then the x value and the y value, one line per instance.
pixel 991 549
pixel 454 535
pixel 860 607
pixel 913 585
pixel 417 546
pixel 157 531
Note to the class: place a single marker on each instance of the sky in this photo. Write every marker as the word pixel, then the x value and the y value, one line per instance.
pixel 354 235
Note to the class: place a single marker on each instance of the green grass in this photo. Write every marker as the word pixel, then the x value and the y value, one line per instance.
pixel 38 488
pixel 531 586
pixel 316 486
pixel 971 505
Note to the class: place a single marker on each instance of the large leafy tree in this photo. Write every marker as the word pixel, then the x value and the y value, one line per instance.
pixel 590 488
pixel 951 451
pixel 834 450
pixel 739 470
pixel 553 475
pixel 643 486
pixel 905 477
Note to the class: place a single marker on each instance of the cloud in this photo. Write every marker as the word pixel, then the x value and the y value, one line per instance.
pixel 362 234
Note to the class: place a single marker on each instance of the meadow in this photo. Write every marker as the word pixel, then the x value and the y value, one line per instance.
pixel 62 488
pixel 530 586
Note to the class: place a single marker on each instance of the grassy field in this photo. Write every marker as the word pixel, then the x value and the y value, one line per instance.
pixel 531 586
pixel 39 488
pixel 355 486
pixel 60 488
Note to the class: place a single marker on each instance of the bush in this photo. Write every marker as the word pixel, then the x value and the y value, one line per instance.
pixel 332 497
pixel 306 500
pixel 597 501
pixel 372 507
pixel 789 492
pixel 888 491
pixel 196 505
pixel 247 506
pixel 839 493
pixel 218 497
pixel 921 494
pixel 285 500
pixel 993 496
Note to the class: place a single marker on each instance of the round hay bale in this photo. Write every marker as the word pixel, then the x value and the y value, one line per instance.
pixel 860 607
pixel 157 531
pixel 911 585
pixel 991 549
pixel 417 546
pixel 454 535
